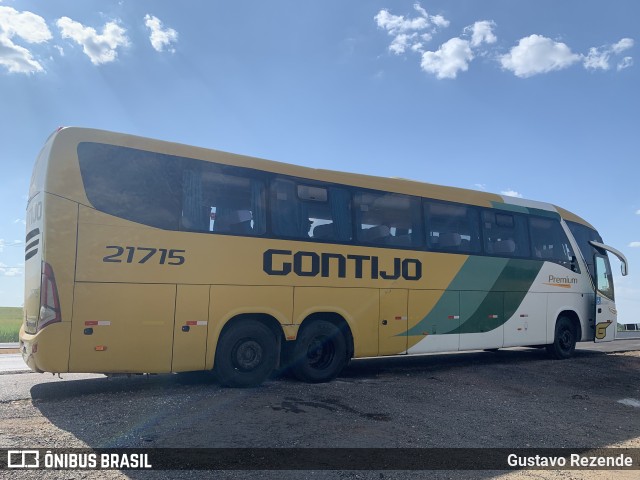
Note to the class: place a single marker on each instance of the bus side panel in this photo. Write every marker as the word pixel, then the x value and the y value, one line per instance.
pixel 482 320
pixel 527 319
pixel 122 328
pixel 228 301
pixel 190 330
pixel 360 307
pixel 434 316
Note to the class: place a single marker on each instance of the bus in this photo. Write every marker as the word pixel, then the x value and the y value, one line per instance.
pixel 144 256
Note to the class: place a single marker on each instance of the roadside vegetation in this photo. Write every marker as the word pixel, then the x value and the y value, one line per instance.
pixel 10 321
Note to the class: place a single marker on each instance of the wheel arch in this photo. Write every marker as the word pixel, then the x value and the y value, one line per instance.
pixel 339 321
pixel 575 321
pixel 267 320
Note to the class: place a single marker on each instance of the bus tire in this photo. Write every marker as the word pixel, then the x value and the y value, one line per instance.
pixel 565 338
pixel 246 355
pixel 320 352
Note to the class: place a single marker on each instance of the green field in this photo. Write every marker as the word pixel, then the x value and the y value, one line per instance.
pixel 10 321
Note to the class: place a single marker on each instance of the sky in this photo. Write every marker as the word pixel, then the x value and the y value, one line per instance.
pixel 535 98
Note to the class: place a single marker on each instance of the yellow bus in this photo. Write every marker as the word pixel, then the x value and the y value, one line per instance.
pixel 144 256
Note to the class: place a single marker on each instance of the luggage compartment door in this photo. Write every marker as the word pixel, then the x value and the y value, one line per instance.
pixel 191 327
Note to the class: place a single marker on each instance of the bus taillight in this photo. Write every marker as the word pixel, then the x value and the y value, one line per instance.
pixel 49 302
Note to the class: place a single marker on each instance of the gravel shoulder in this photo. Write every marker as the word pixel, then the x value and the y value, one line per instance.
pixel 508 399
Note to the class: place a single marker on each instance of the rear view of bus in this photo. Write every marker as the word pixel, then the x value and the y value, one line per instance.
pixel 49 268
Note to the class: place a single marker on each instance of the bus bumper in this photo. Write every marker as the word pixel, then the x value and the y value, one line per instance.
pixel 47 350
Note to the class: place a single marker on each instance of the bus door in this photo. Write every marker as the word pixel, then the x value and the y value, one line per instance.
pixel 605 308
pixel 190 328
pixel 393 322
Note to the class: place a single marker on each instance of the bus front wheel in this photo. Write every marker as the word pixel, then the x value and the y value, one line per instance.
pixel 320 352
pixel 564 343
pixel 246 355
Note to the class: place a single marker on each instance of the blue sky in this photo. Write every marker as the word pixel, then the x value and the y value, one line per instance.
pixel 537 98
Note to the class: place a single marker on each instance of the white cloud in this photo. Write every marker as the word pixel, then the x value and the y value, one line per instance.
pixel 100 48
pixel 480 186
pixel 9 271
pixel 622 45
pixel 597 58
pixel 600 57
pixel 626 62
pixel 409 33
pixel 27 26
pixel 637 212
pixel 481 32
pixel 452 57
pixel 511 193
pixel 533 55
pixel 20 220
pixel 159 37
pixel 3 243
pixel 634 244
pixel 455 55
pixel 536 54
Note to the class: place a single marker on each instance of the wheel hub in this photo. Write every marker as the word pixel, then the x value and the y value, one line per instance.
pixel 248 355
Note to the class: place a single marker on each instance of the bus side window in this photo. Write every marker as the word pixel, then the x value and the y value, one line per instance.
pixel 505 234
pixel 304 210
pixel 388 219
pixel 549 241
pixel 452 227
pixel 219 202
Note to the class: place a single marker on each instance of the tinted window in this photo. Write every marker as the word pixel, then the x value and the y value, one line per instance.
pixel 452 227
pixel 304 210
pixel 136 185
pixel 171 192
pixel 388 219
pixel 603 281
pixel 582 235
pixel 222 200
pixel 505 234
pixel 549 242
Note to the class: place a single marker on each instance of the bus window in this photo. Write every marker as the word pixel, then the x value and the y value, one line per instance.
pixel 219 202
pixel 549 242
pixel 136 185
pixel 310 211
pixel 603 269
pixel 388 219
pixel 505 234
pixel 452 227
pixel 583 235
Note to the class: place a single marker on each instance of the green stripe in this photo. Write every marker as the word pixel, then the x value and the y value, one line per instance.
pixel 477 294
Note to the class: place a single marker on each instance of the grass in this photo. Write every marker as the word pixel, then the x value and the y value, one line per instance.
pixel 10 321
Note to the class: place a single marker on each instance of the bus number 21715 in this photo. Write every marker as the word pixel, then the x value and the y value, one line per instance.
pixel 144 254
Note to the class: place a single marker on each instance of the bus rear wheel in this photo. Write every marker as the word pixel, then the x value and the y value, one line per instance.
pixel 320 352
pixel 564 343
pixel 246 355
